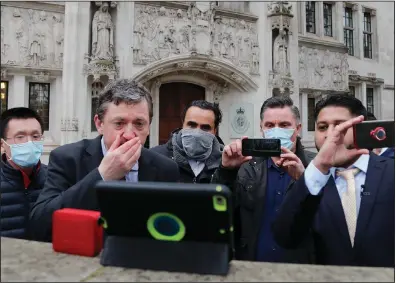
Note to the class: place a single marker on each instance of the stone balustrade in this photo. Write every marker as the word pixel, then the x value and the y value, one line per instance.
pixel 34 261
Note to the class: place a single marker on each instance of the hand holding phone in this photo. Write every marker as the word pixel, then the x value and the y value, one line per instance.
pixel 374 134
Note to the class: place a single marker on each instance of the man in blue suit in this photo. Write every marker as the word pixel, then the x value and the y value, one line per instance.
pixel 346 197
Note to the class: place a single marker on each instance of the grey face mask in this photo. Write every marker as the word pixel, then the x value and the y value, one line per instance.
pixel 197 144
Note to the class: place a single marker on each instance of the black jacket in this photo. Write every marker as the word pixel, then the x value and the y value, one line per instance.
pixel 17 199
pixel 248 184
pixel 186 173
pixel 73 173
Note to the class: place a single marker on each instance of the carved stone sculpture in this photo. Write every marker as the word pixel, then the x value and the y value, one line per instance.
pixel 161 33
pixel 280 51
pixel 102 34
pixel 322 69
pixel 31 38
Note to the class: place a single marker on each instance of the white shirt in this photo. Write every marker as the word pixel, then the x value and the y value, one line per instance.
pixel 196 166
pixel 316 180
pixel 132 175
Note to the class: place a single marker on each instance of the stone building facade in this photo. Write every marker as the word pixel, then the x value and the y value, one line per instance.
pixel 57 56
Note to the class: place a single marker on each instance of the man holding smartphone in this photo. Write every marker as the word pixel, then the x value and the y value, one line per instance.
pixel 346 196
pixel 259 184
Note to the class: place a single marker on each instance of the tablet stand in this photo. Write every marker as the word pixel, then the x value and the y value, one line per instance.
pixel 183 256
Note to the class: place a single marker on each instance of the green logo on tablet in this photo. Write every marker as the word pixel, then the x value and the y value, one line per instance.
pixel 166 227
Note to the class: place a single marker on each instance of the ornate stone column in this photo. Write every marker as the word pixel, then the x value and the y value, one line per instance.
pixel 154 127
pixel 76 45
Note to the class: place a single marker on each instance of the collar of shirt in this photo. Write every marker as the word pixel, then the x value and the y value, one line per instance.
pixel 270 163
pixel 383 150
pixel 104 150
pixel 361 164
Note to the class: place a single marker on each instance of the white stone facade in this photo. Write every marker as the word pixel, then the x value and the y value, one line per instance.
pixel 241 53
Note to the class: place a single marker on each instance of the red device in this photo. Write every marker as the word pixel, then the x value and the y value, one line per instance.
pixel 77 231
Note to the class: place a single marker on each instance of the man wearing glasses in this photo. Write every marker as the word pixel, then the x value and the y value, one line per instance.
pixel 22 174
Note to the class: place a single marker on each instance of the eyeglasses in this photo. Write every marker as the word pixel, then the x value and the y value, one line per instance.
pixel 25 138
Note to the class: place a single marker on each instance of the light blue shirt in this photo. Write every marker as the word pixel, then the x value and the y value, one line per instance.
pixel 316 180
pixel 132 175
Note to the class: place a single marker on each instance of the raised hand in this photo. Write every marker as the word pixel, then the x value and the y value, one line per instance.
pixel 333 152
pixel 120 159
pixel 291 163
pixel 232 155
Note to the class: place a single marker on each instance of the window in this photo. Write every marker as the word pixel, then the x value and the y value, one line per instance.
pixel 39 95
pixel 348 30
pixel 311 112
pixel 310 16
pixel 367 36
pixel 96 89
pixel 4 96
pixel 237 6
pixel 352 90
pixel 328 19
pixel 370 99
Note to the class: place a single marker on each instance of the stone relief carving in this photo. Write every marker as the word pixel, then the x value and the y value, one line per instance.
pixel 3 74
pixel 97 69
pixel 32 38
pixel 161 32
pixel 41 76
pixel 320 69
pixel 69 125
pixel 280 7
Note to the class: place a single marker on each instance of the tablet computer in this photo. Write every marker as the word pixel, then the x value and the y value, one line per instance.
pixel 166 211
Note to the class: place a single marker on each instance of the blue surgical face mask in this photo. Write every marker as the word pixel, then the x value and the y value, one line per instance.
pixel 280 133
pixel 26 154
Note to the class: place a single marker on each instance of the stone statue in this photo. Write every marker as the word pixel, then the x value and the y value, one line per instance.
pixel 281 60
pixel 36 39
pixel 102 34
pixel 59 38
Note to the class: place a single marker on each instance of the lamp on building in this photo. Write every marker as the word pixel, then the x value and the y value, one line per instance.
pixel 2 85
pixel 2 96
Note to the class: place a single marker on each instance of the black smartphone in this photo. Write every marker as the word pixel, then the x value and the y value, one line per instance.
pixel 261 147
pixel 374 134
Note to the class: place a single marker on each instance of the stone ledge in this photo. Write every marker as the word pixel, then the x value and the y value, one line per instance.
pixel 34 261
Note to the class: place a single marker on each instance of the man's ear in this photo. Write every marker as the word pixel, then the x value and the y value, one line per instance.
pixel 98 124
pixel 298 129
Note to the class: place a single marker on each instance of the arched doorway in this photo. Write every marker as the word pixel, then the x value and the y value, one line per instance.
pixel 173 98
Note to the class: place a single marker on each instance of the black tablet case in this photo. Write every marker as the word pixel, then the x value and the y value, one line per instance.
pixel 203 250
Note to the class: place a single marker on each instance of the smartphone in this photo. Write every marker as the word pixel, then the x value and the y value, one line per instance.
pixel 374 134
pixel 261 147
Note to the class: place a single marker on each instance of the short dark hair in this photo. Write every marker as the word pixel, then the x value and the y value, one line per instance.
pixel 280 102
pixel 18 113
pixel 371 117
pixel 206 105
pixel 123 91
pixel 347 101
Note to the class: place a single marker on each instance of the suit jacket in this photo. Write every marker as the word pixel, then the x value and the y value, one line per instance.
pixel 389 152
pixel 73 173
pixel 375 232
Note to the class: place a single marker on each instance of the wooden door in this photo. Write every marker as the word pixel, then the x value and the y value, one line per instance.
pixel 173 98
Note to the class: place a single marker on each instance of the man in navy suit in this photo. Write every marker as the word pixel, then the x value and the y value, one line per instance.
pixel 352 219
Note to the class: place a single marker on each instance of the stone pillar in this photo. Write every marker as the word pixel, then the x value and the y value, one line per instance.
pixel 304 114
pixel 339 21
pixel 320 25
pixel 363 96
pixel 124 38
pixel 154 127
pixel 77 25
pixel 17 95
